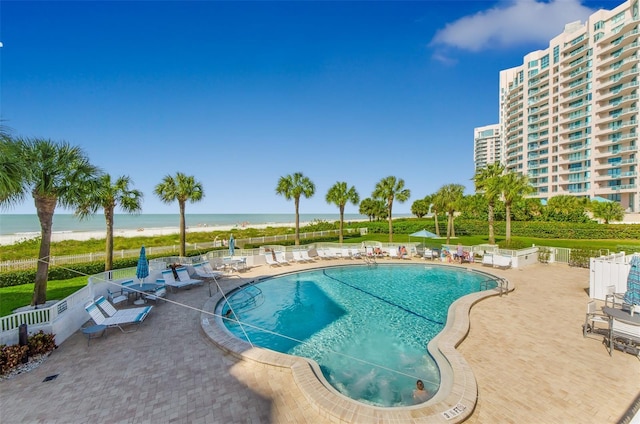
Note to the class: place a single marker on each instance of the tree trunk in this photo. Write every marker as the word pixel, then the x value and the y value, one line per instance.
pixel 435 216
pixel 297 203
pixel 448 227
pixel 45 206
pixel 341 221
pixel 390 223
pixel 108 216
pixel 183 235
pixel 508 226
pixel 492 234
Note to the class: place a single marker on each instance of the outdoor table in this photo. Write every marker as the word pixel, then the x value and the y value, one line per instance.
pixel 620 315
pixel 137 288
pixel 235 263
pixel 93 331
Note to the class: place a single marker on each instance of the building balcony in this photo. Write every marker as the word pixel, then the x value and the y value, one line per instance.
pixel 605 71
pixel 617 89
pixel 619 54
pixel 608 116
pixel 623 101
pixel 604 48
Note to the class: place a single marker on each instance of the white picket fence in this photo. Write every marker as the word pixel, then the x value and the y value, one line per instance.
pixel 26 264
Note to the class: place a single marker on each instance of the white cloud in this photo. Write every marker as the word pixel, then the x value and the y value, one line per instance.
pixel 511 23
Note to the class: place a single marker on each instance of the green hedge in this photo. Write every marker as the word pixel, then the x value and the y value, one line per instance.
pixel 537 229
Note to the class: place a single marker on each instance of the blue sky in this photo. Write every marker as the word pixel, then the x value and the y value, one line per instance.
pixel 238 94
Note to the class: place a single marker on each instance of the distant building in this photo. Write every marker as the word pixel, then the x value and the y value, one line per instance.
pixel 569 113
pixel 487 147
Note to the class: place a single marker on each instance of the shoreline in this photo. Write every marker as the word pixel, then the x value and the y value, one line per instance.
pixel 57 236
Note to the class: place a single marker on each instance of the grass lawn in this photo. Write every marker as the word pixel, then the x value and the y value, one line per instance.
pixel 18 296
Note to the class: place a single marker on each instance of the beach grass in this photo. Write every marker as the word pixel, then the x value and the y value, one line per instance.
pixel 18 296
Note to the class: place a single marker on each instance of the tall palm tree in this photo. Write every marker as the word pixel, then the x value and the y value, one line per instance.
pixel 488 181
pixel 339 195
pixel 55 173
pixel 107 196
pixel 514 187
pixel 449 197
pixel 182 188
pixel 389 189
pixel 292 187
pixel 11 180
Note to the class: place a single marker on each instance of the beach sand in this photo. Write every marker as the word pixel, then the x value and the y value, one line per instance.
pixel 140 232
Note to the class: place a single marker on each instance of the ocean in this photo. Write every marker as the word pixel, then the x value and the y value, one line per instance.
pixel 63 223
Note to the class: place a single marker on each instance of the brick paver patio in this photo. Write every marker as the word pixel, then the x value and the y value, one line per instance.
pixel 526 349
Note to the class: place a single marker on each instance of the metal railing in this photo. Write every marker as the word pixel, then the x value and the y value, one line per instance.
pixel 26 264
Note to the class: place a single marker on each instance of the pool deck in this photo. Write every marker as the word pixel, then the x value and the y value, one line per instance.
pixel 526 350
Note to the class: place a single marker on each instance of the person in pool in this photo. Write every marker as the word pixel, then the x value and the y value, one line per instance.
pixel 420 394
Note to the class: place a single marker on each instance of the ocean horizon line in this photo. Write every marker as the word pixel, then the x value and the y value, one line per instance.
pixel 29 224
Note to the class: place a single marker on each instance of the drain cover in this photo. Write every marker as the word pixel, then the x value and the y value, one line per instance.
pixel 49 378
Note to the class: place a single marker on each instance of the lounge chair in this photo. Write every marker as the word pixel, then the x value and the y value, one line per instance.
pixel 297 256
pixel 487 259
pixel 355 253
pixel 429 254
pixel 593 317
pixel 203 272
pixel 305 255
pixel 171 281
pixel 393 253
pixel 280 258
pixel 118 320
pixel 268 257
pixel 345 253
pixel 184 277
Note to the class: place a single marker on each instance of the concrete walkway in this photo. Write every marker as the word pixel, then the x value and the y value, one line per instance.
pixel 526 350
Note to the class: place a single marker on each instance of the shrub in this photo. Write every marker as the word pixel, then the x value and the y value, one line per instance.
pixel 37 344
pixel 41 343
pixel 11 357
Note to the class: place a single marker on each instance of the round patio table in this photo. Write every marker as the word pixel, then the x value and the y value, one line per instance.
pixel 137 288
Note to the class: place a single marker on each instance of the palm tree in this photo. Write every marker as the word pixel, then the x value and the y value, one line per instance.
pixel 450 197
pixel 436 205
pixel 55 174
pixel 107 196
pixel 608 211
pixel 10 171
pixel 181 188
pixel 339 195
pixel 488 181
pixel 292 187
pixel 389 189
pixel 514 187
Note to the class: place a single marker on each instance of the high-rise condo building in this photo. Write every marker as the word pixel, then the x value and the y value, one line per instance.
pixel 569 113
pixel 487 148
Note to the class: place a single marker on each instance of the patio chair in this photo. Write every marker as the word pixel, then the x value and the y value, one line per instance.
pixel 297 257
pixel 117 296
pixel 111 311
pixel 161 292
pixel 184 277
pixel 171 281
pixel 612 295
pixel 118 320
pixel 355 253
pixel 593 317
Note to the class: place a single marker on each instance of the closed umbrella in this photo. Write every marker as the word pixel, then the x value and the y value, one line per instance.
pixel 232 245
pixel 142 270
pixel 632 296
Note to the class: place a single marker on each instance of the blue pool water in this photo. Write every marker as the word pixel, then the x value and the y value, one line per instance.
pixel 367 327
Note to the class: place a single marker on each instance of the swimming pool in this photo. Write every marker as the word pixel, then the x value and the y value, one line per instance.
pixel 366 327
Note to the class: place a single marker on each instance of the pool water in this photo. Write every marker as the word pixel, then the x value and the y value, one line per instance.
pixel 366 327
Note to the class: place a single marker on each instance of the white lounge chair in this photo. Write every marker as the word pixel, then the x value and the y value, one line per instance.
pixel 487 259
pixel 184 277
pixel 355 253
pixel 169 279
pixel 118 319
pixel 202 271
pixel 280 258
pixel 297 256
pixel 268 257
pixel 305 255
